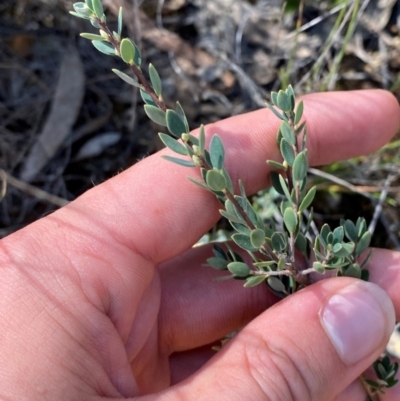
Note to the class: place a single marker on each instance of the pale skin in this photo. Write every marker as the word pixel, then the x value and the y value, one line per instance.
pixel 105 299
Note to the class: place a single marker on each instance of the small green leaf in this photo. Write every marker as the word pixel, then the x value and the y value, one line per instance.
pixel 301 243
pixel 285 188
pixel 198 183
pixel 92 36
pixel 254 280
pixel 181 162
pixel 277 114
pixel 338 234
pixel 290 219
pixel 147 98
pixel 299 112
pixel 127 51
pixel 308 199
pixel 173 144
pixel 319 267
pixel 175 124
pixel 290 92
pixel 120 21
pixel 257 238
pixel 75 14
pixel 350 230
pixel 361 227
pixel 274 97
pixel 98 8
pixel 278 241
pixel 300 167
pixel 89 3
pixel 155 114
pixel 215 180
pixel 217 152
pixel 155 80
pixel 229 185
pixel 244 242
pixel 287 133
pixel 104 47
pixel 276 284
pixel 343 250
pixel 239 269
pixel 353 270
pixel 232 217
pixel 276 165
pixel 363 243
pixel 202 139
pixel 182 115
pixel 275 182
pixel 82 9
pixel 287 152
pixel 217 263
pixel 265 264
pixel 126 78
pixel 283 101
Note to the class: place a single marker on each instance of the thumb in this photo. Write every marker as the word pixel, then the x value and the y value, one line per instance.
pixel 310 346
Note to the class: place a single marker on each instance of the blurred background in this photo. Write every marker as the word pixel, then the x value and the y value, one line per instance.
pixel 68 123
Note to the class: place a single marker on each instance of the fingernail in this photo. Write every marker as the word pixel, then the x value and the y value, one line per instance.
pixel 358 320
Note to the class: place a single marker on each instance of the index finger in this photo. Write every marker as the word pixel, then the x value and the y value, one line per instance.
pixel 155 211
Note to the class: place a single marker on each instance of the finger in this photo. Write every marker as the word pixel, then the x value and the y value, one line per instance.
pixel 196 309
pixel 155 210
pixel 311 347
pixel 384 268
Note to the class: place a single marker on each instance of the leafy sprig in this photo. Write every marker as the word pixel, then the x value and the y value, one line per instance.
pixel 281 258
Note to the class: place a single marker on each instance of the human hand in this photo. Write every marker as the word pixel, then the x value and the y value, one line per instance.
pixel 105 299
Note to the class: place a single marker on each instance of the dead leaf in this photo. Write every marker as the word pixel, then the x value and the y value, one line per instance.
pixel 64 111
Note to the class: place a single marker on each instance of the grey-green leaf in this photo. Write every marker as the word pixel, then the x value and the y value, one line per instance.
pixel 299 112
pixel 92 36
pixel 363 243
pixel 182 115
pixel 278 241
pixel 300 167
pixel 239 269
pixel 350 230
pixel 198 183
pixel 217 152
pixel 215 180
pixel 175 124
pixel 319 267
pixel 308 199
pixel 120 21
pixel 287 152
pixel 89 3
pixel 285 188
pixel 290 219
pixel 155 114
pixel 276 165
pixel 75 14
pixel 173 144
pixel 98 8
pixel 288 133
pixel 202 139
pixel 155 80
pixel 147 98
pixel 126 78
pixel 244 242
pixel 217 263
pixel 127 51
pixel 254 280
pixel 277 114
pixel 276 284
pixel 257 237
pixel 276 184
pixel 104 47
pixel 181 162
pixel 283 101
